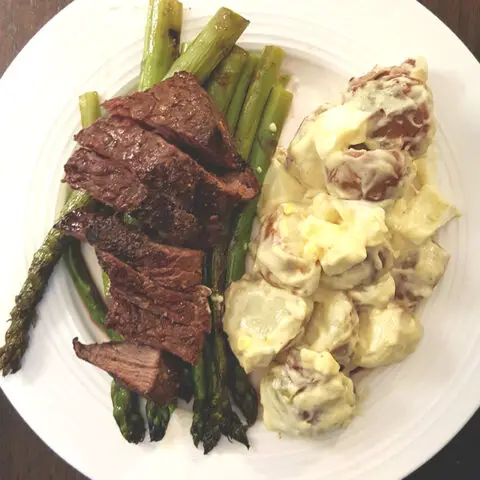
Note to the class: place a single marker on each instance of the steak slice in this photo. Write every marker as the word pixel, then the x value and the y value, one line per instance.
pixel 182 112
pixel 141 368
pixel 112 184
pixel 167 189
pixel 189 307
pixel 171 267
pixel 157 331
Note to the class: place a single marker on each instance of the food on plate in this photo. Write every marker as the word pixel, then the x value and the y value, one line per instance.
pixel 307 394
pixel 377 294
pixel 167 190
pixel 372 175
pixel 421 216
pixel 183 113
pixel 400 106
pixel 143 369
pixel 386 336
pixel 417 271
pixel 162 172
pixel 346 219
pixel 261 320
pixel 333 326
pixel 171 267
pixel 280 252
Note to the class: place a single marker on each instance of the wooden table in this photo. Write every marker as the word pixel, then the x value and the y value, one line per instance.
pixel 23 456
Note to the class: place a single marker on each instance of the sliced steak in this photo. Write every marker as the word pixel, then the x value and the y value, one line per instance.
pixel 141 368
pixel 182 112
pixel 166 188
pixel 157 331
pixel 104 180
pixel 188 307
pixel 172 267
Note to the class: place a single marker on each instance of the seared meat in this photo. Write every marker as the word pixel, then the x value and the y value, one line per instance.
pixel 166 188
pixel 104 180
pixel 188 307
pixel 172 267
pixel 182 112
pixel 143 369
pixel 157 331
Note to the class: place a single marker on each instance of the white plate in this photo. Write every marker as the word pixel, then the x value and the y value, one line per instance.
pixel 410 410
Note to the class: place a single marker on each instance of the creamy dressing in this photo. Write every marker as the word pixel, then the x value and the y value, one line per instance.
pixel 307 394
pixel 345 229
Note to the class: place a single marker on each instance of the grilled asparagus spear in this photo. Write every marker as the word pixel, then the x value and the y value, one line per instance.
pixel 265 77
pixel 236 104
pixel 221 85
pixel 162 39
pixel 211 45
pixel 264 146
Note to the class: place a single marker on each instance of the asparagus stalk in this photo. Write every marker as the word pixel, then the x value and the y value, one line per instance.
pixel 236 104
pixel 162 40
pixel 158 419
pixel 85 287
pixel 47 256
pixel 219 419
pixel 243 393
pixel 266 142
pixel 126 411
pixel 222 418
pixel 89 104
pixel 265 78
pixel 200 402
pixel 224 79
pixel 126 408
pixel 211 45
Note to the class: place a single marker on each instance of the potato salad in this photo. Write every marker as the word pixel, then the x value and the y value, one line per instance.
pixel 343 253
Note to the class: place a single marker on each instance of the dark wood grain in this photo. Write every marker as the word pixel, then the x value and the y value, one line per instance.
pixel 23 456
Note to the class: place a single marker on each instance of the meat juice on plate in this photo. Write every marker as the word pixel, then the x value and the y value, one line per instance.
pixel 344 252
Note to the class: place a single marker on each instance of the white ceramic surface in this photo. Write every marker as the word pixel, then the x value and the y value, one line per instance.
pixel 411 410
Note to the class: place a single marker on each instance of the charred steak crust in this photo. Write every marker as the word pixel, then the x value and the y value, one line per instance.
pixel 182 112
pixel 143 369
pixel 157 331
pixel 189 307
pixel 165 187
pixel 172 267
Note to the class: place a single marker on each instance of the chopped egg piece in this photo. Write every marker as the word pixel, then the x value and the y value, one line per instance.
pixel 260 320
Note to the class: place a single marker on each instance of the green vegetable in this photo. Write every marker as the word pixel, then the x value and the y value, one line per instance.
pixel 91 298
pixel 162 40
pixel 158 419
pixel 126 411
pixel 264 147
pixel 211 45
pixel 236 104
pixel 222 419
pixel 89 104
pixel 266 76
pixel 200 402
pixel 221 85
